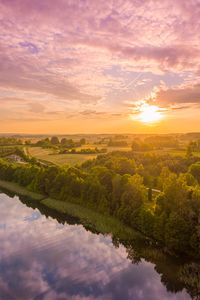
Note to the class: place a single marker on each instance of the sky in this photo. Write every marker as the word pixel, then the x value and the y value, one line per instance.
pixel 96 66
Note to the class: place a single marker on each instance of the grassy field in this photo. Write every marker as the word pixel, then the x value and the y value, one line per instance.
pixel 59 159
pixel 69 159
pixel 111 149
pixel 100 146
pixel 176 152
pixel 73 159
pixel 94 220
pixel 19 190
pixel 173 152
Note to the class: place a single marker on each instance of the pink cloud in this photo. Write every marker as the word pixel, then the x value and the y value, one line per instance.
pixel 61 50
pixel 186 94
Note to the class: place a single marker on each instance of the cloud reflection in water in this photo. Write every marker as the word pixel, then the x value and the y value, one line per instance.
pixel 43 260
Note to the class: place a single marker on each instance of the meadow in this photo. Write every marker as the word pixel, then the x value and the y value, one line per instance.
pixel 49 155
pixel 59 159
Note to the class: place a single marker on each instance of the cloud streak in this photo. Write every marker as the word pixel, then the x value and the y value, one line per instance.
pixel 88 52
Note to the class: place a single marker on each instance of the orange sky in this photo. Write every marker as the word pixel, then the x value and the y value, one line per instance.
pixel 99 66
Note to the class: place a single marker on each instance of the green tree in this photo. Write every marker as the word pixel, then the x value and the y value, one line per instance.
pixel 54 140
pixel 195 170
pixel 177 231
pixel 83 141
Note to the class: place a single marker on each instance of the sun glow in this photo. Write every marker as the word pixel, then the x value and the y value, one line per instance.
pixel 149 114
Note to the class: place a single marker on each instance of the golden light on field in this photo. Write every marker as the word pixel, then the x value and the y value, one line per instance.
pixel 149 114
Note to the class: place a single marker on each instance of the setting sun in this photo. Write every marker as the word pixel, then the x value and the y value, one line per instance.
pixel 149 113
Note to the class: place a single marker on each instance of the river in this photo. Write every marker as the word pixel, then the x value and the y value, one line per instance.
pixel 44 257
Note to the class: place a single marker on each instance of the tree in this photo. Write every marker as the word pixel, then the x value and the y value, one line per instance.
pixel 63 141
pixel 177 232
pixel 175 195
pixel 189 152
pixel 150 194
pixel 165 173
pixel 83 141
pixel 122 165
pixel 105 177
pixel 135 146
pixel 133 196
pixel 54 140
pixel 195 170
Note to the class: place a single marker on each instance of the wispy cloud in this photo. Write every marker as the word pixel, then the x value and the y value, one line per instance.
pixel 184 94
pixel 93 55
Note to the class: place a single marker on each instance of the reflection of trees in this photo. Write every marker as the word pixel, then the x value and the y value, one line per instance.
pixel 115 241
pixel 165 265
pixel 175 275
pixel 133 254
pixel 190 276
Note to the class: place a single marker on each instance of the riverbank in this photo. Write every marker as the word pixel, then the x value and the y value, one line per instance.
pixel 90 219
pixel 87 217
pixel 20 190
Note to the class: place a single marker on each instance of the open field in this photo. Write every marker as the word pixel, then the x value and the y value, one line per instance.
pixel 73 159
pixel 59 159
pixel 170 152
pixel 101 146
pixel 69 159
pixel 175 152
pixel 111 149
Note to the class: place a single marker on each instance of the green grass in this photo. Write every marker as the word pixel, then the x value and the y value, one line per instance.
pixel 100 146
pixel 181 152
pixel 59 159
pixel 50 155
pixel 93 220
pixel 125 149
pixel 176 152
pixel 11 146
pixel 16 188
pixel 170 152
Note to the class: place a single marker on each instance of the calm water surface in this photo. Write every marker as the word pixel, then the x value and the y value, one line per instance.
pixel 43 259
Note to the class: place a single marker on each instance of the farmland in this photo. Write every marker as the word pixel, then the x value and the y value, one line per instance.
pixel 59 159
pixel 53 156
pixel 71 159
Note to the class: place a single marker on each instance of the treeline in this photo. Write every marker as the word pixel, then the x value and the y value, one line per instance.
pixel 113 184
pixel 194 146
pixel 62 143
pixel 8 141
pixel 83 151
pixel 155 143
pixel 117 143
pixel 68 146
pixel 7 150
pixel 162 141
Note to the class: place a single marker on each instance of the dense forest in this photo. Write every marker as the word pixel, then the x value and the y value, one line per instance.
pixel 157 194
